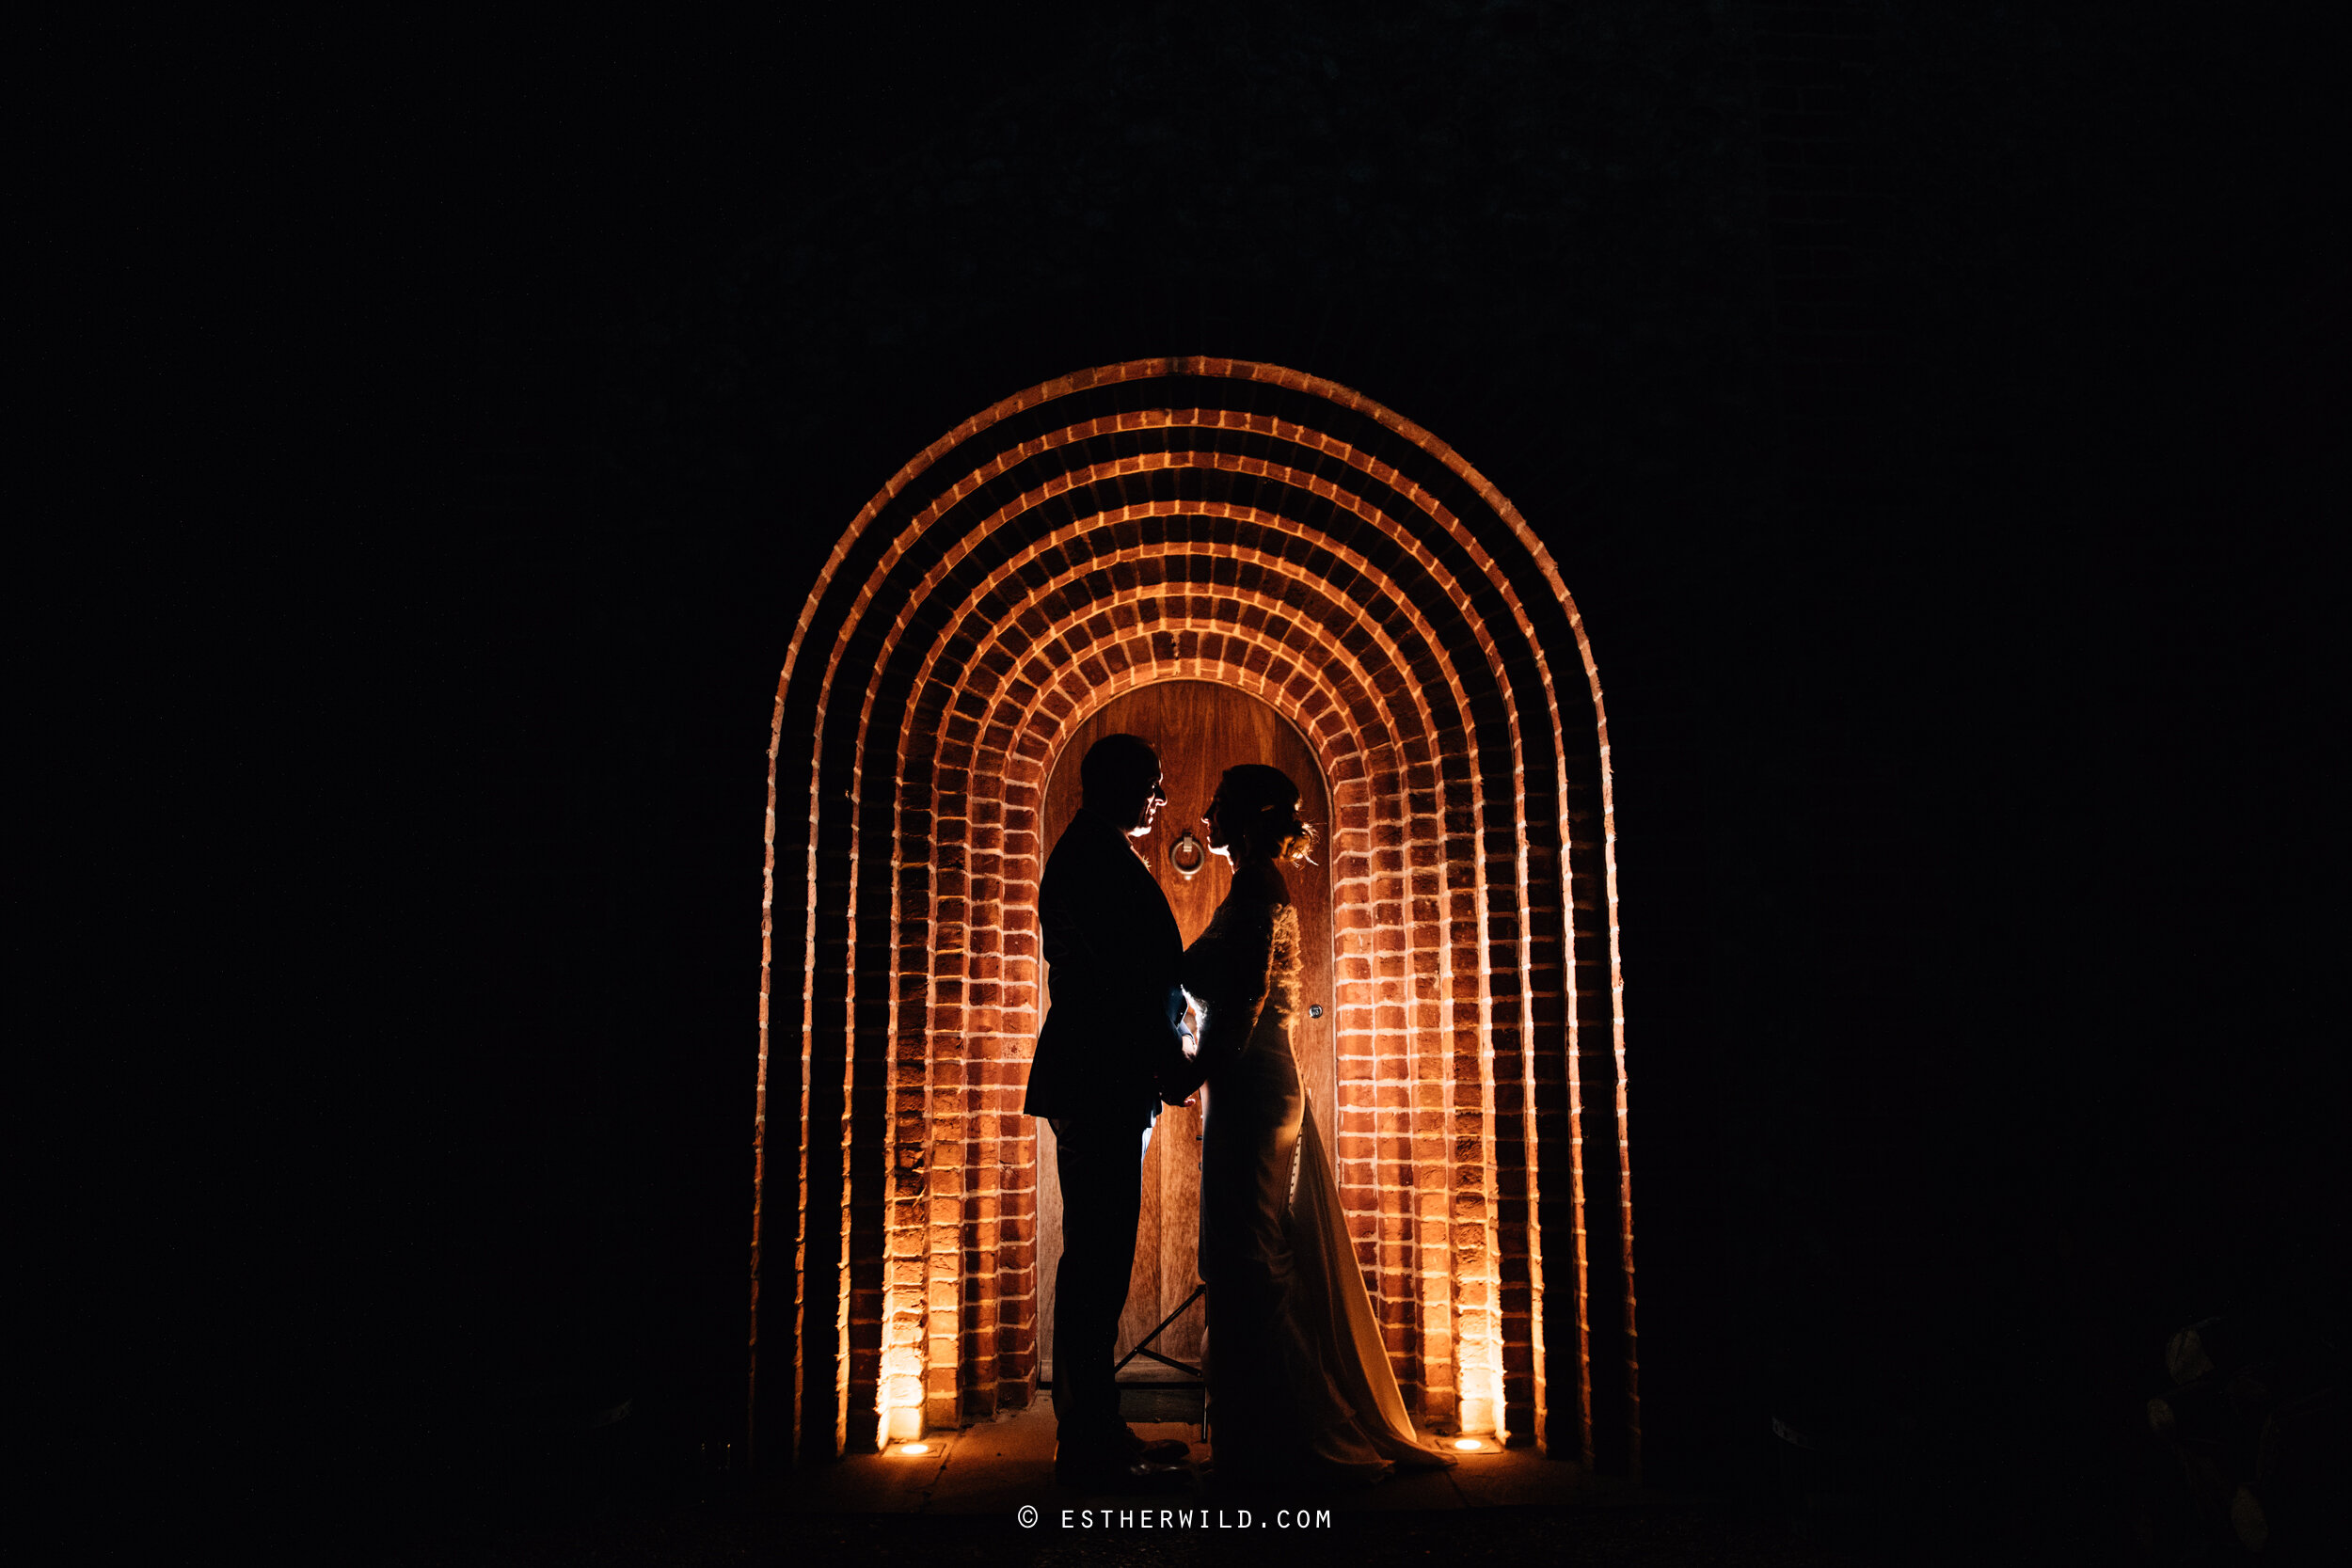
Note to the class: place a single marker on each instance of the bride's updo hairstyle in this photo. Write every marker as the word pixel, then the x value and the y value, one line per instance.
pixel 1261 813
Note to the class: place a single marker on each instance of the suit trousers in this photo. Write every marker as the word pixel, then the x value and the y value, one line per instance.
pixel 1102 1205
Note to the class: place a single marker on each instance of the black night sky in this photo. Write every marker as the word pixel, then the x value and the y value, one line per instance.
pixel 1935 410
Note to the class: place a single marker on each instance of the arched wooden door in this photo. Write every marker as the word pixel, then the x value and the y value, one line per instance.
pixel 1200 729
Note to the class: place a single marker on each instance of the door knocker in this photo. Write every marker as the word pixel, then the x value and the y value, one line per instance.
pixel 1187 855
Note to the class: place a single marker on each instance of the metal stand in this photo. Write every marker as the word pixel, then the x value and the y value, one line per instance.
pixel 1143 1345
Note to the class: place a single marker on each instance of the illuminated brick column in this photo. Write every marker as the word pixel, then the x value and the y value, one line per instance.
pixel 1156 521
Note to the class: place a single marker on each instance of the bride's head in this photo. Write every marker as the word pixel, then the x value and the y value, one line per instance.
pixel 1254 816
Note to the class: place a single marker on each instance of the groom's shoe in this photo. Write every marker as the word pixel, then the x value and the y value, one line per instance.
pixel 1129 1445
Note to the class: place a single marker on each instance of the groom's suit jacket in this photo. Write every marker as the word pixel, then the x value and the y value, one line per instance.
pixel 1113 951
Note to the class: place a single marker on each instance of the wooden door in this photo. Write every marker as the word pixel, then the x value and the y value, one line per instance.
pixel 1199 729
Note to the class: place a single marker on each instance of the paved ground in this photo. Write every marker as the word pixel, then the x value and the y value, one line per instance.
pixel 961 1505
pixel 997 1468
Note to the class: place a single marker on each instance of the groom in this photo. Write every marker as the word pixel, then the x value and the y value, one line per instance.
pixel 1110 1038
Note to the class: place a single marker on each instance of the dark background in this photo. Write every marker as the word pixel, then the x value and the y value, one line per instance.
pixel 1934 410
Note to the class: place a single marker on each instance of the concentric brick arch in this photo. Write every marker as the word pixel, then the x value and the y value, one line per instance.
pixel 1165 520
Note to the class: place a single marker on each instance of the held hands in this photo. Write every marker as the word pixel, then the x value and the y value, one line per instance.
pixel 1179 1083
pixel 1183 1085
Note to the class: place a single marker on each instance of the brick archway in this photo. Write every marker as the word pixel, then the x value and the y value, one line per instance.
pixel 1191 519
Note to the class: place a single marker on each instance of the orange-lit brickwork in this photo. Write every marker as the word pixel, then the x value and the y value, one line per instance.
pixel 1163 520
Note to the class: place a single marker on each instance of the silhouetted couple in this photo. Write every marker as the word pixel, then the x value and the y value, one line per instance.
pixel 1300 1391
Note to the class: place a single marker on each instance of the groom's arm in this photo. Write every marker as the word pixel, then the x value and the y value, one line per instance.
pixel 1086 937
pixel 1078 917
pixel 1091 928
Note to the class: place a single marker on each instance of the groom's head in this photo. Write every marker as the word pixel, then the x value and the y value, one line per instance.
pixel 1119 778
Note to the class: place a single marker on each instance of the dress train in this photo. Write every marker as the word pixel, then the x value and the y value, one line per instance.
pixel 1335 1311
pixel 1308 1394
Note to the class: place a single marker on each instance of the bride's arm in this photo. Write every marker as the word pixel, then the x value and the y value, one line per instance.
pixel 1259 892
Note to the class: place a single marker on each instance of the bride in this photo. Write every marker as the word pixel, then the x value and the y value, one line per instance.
pixel 1299 1385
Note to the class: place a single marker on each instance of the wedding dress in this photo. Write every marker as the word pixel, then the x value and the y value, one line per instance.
pixel 1299 1383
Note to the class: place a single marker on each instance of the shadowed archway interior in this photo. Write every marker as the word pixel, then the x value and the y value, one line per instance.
pixel 1199 728
pixel 1188 520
